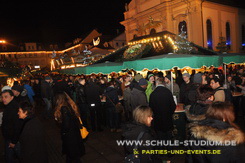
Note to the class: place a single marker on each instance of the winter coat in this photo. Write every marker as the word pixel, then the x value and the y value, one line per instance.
pixel 197 111
pixel 30 92
pixel 217 131
pixel 80 94
pixel 184 91
pixel 46 90
pixel 138 97
pixel 93 92
pixel 127 99
pixel 32 142
pixel 72 143
pixel 163 106
pixel 131 131
pixel 176 89
pixel 22 97
pixel 11 124
pixel 111 97
pixel 149 90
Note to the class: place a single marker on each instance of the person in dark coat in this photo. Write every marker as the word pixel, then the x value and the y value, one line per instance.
pixel 81 100
pixel 93 92
pixel 142 121
pixel 163 106
pixel 67 114
pixel 184 89
pixel 46 93
pixel 32 138
pixel 20 94
pixel 219 128
pixel 205 97
pixel 11 126
pixel 138 95
pixel 111 94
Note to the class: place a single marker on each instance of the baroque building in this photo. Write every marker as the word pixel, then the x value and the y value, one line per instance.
pixel 204 21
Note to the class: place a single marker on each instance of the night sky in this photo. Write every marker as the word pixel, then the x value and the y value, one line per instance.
pixel 59 21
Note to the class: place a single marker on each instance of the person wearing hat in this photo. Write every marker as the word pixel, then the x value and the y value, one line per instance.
pixel 20 94
pixel 138 96
pixel 150 86
pixel 168 85
pixel 185 88
pixel 46 93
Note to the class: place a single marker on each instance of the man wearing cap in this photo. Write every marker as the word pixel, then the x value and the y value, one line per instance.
pixel 20 94
pixel 138 96
pixel 150 86
pixel 168 85
pixel 185 88
pixel 46 93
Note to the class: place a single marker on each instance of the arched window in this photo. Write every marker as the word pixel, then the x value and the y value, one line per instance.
pixel 228 34
pixel 209 34
pixel 152 31
pixel 243 36
pixel 184 25
pixel 135 36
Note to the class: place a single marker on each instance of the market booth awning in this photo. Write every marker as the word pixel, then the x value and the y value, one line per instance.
pixel 166 62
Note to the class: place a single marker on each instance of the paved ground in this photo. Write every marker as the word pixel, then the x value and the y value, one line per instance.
pixel 100 147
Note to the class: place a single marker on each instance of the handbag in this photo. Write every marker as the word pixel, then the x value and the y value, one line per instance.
pixel 84 132
pixel 134 158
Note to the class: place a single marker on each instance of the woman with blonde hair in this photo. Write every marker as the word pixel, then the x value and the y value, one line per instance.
pixel 220 134
pixel 140 130
pixel 67 114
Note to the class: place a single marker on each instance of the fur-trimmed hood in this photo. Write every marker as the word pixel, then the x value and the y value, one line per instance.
pixel 221 132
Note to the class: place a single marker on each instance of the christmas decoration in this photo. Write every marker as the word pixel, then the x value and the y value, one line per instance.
pixel 222 46
pixel 182 45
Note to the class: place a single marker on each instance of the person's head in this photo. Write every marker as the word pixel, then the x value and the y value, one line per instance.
pixel 26 82
pixel 82 81
pixel 167 79
pixel 204 93
pixel 143 115
pixel 186 77
pixel 143 83
pixel 62 99
pixel 7 96
pixel 222 111
pixel 215 83
pixel 160 81
pixel 151 78
pixel 127 78
pixel 17 89
pixel 36 81
pixel 229 78
pixel 25 110
pixel 47 79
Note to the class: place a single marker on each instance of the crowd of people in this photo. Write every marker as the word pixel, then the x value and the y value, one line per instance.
pixel 148 107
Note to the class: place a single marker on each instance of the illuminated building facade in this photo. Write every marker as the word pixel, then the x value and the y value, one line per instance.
pixel 204 21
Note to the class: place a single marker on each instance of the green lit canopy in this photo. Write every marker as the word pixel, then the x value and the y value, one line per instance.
pixel 161 62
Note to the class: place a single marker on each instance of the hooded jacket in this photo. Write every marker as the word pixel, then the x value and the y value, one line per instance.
pixel 217 131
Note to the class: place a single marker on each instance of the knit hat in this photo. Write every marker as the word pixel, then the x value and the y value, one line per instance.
pixel 168 76
pixel 47 78
pixel 197 78
pixel 150 75
pixel 142 81
pixel 186 75
pixel 17 88
pixel 6 88
pixel 138 77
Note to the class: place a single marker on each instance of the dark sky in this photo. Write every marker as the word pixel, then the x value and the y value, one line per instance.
pixel 58 21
